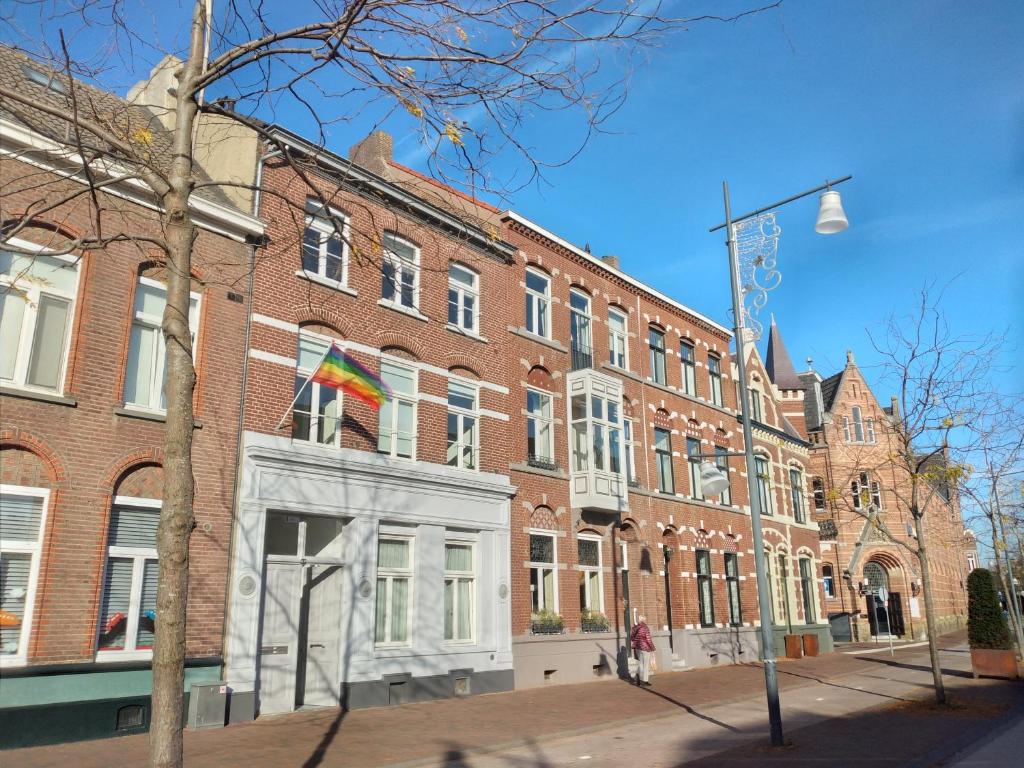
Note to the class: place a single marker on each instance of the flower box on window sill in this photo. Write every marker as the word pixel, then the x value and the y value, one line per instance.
pixel 593 621
pixel 546 623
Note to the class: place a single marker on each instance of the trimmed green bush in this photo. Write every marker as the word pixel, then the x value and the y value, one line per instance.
pixel 986 625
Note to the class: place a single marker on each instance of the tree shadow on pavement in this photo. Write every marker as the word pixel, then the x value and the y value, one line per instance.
pixel 840 685
pixel 920 667
pixel 316 757
pixel 691 710
pixel 457 757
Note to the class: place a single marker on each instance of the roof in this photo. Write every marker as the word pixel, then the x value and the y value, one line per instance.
pixel 829 389
pixel 777 362
pixel 135 125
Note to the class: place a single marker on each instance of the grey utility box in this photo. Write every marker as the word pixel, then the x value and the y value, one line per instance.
pixel 207 705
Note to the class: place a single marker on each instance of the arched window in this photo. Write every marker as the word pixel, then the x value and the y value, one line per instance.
pixel 858 425
pixel 400 272
pixel 865 492
pixel 538 303
pixel 764 484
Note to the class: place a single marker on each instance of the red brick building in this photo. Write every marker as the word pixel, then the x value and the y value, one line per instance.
pixel 859 503
pixel 81 430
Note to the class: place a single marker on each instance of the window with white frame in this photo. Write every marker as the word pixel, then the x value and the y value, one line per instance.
pixel 462 425
pixel 732 588
pixel 538 303
pixel 818 487
pixel 463 298
pixel 755 405
pixel 858 425
pixel 316 415
pixel 663 460
pixel 781 602
pixel 764 485
pixel 145 371
pixel 656 344
pixel 629 445
pixel 397 434
pixel 324 252
pixel 459 589
pixel 400 272
pixel 128 610
pixel 37 299
pixel 394 590
pixel 869 426
pixel 693 465
pixel 828 581
pixel 705 594
pixel 807 589
pixel 579 330
pixel 796 494
pixel 715 378
pixel 591 579
pixel 543 579
pixel 846 429
pixel 539 432
pixel 865 491
pixel 22 520
pixel 618 338
pixel 687 359
pixel 596 434
pixel 722 462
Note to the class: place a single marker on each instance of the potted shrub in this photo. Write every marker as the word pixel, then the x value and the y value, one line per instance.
pixel 989 637
pixel 593 621
pixel 546 622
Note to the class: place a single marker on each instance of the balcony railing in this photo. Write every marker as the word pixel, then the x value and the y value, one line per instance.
pixel 582 356
pixel 542 462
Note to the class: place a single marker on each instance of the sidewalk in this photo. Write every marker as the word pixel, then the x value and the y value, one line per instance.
pixel 685 716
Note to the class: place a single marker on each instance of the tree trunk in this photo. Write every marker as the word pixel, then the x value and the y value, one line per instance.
pixel 176 516
pixel 929 609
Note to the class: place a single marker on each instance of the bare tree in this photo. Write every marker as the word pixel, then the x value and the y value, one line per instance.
pixel 466 76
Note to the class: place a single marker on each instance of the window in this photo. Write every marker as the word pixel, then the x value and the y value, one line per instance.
pixel 596 434
pixel 591 581
pixel 538 303
pixel 865 491
pixel 858 425
pixel 542 572
pixel 819 493
pixel 693 464
pixel 705 595
pixel 630 447
pixel 316 415
pixel 394 582
pixel 722 462
pixel 732 588
pixel 870 425
pixel 846 429
pixel 22 519
pixel 458 591
pixel 128 610
pixel 807 589
pixel 755 406
pixel 37 298
pixel 663 460
pixel 618 339
pixel 780 602
pixel 579 330
pixel 715 378
pixel 687 358
pixel 462 421
pixel 324 253
pixel 828 582
pixel 764 485
pixel 145 375
pixel 39 77
pixel 656 341
pixel 796 492
pixel 397 436
pixel 400 270
pixel 539 448
pixel 463 297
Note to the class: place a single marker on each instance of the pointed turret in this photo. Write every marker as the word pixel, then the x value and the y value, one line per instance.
pixel 777 362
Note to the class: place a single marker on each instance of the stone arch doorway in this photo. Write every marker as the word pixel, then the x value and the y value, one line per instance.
pixel 884 617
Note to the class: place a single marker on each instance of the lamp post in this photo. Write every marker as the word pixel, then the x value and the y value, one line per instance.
pixel 831 219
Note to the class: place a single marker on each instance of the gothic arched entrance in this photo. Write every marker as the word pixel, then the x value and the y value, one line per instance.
pixel 885 618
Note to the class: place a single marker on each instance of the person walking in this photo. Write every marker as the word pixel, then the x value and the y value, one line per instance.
pixel 640 639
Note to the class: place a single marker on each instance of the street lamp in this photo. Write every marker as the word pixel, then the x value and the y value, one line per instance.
pixel 759 250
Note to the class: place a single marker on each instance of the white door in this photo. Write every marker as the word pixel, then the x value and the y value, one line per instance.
pixel 322 681
pixel 279 636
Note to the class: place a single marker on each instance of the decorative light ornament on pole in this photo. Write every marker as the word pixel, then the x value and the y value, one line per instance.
pixel 752 240
pixel 712 479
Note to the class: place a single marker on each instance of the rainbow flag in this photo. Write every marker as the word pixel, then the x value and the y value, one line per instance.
pixel 338 369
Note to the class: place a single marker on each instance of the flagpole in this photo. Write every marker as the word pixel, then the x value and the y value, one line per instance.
pixel 303 387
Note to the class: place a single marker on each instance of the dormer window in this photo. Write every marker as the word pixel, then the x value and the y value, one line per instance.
pixel 48 81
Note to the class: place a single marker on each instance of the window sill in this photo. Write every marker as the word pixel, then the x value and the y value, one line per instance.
pixel 621 371
pixel 692 398
pixel 555 473
pixel 539 339
pixel 463 332
pixel 325 281
pixel 414 313
pixel 106 657
pixel 42 397
pixel 13 661
pixel 158 416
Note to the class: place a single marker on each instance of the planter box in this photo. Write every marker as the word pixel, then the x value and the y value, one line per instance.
pixel 810 645
pixel 993 663
pixel 794 648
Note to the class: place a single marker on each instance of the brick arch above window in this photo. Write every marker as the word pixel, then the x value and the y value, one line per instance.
pixel 48 234
pixel 322 329
pixel 543 518
pixel 662 419
pixel 627 407
pixel 125 465
pixel 142 481
pixel 306 314
pixel 462 365
pixel 540 377
pixel 49 464
pixel 156 269
pixel 400 344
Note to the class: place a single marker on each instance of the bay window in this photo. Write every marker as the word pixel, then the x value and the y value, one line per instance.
pixel 394 587
pixel 37 298
pixel 400 272
pixel 22 521
pixel 316 415
pixel 459 583
pixel 145 374
pixel 597 434
pixel 463 298
pixel 538 303
pixel 462 425
pixel 397 432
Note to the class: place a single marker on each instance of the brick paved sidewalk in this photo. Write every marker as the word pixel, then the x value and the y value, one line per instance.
pixel 378 737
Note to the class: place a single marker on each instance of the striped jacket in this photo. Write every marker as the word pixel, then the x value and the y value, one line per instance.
pixel 641 638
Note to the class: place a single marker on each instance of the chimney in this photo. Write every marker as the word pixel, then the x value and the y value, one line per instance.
pixel 373 153
pixel 611 260
pixel 894 404
pixel 159 91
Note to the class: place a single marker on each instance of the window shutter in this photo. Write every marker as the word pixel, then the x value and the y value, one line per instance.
pixel 147 605
pixel 14 572
pixel 20 517
pixel 117 596
pixel 133 527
